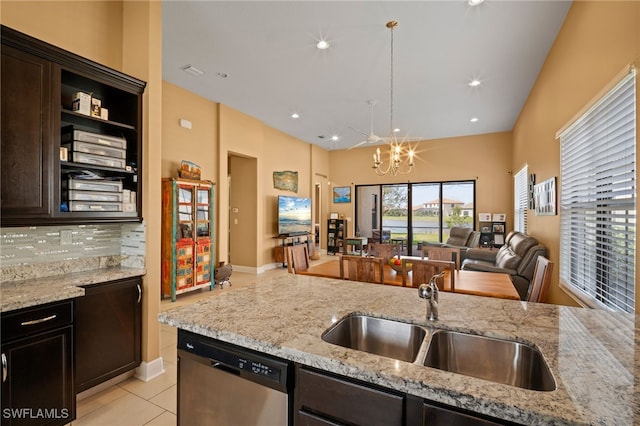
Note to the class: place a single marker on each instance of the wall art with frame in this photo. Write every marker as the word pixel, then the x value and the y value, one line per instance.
pixel 342 194
pixel 545 197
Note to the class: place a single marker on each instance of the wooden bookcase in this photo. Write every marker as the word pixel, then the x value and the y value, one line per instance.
pixel 492 233
pixel 336 233
pixel 187 236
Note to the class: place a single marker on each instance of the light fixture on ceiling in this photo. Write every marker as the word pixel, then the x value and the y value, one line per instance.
pixel 192 70
pixel 474 2
pixel 474 83
pixel 295 115
pixel 334 138
pixel 474 119
pixel 322 44
pixel 400 158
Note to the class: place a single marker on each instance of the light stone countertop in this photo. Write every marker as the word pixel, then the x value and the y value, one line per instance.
pixel 38 291
pixel 591 354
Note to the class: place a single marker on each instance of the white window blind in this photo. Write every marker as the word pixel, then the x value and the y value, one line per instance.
pixel 598 201
pixel 520 200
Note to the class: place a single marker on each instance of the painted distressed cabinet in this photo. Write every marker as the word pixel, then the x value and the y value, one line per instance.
pixel 187 236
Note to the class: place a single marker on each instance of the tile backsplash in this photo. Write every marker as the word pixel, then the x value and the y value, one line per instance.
pixel 29 252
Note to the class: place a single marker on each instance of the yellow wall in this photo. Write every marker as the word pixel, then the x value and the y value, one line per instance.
pixel 244 136
pixel 486 158
pixel 198 144
pixel 127 37
pixel 596 41
pixel 92 29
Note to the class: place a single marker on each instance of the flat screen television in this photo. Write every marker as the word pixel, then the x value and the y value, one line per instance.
pixel 294 215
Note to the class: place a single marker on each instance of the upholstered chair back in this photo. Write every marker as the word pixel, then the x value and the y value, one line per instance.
pixel 458 236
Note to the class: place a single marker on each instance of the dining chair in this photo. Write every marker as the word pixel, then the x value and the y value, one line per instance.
pixel 423 270
pixel 450 254
pixel 365 269
pixel 385 251
pixel 541 280
pixel 297 258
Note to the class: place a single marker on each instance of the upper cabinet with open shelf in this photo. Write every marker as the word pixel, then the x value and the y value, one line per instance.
pixel 49 145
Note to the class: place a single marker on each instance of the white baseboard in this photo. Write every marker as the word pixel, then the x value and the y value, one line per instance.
pixel 245 269
pixel 270 266
pixel 149 370
pixel 104 385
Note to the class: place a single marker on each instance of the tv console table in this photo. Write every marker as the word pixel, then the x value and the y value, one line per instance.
pixel 289 240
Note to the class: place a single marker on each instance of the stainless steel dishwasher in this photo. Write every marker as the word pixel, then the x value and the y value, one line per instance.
pixel 222 384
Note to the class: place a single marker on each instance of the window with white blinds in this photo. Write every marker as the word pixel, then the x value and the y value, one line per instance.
pixel 520 200
pixel 598 201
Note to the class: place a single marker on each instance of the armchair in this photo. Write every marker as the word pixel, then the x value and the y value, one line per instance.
pixel 517 257
pixel 460 237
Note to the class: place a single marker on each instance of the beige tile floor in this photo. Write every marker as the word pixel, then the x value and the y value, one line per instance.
pixel 134 402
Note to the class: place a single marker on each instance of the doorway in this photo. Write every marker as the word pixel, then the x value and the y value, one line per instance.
pixel 243 220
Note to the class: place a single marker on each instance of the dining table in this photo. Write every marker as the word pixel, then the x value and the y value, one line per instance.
pixel 490 284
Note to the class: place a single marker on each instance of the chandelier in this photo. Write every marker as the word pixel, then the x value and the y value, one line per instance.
pixel 400 157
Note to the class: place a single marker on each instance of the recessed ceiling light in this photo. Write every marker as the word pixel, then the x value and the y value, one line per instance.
pixel 334 138
pixel 474 2
pixel 322 44
pixel 396 130
pixel 192 70
pixel 474 83
pixel 474 119
pixel 295 115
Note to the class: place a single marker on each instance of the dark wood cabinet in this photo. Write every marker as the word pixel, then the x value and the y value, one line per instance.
pixel 39 82
pixel 37 366
pixel 26 135
pixel 324 399
pixel 434 414
pixel 108 331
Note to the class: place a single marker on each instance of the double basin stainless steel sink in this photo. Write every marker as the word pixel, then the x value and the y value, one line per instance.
pixel 501 361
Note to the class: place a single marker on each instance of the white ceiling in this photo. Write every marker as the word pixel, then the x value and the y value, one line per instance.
pixel 267 48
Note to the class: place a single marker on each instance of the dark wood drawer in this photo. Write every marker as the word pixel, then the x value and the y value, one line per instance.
pixel 343 401
pixel 307 419
pixel 28 321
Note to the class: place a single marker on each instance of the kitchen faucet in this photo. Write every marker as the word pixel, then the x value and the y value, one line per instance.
pixel 430 292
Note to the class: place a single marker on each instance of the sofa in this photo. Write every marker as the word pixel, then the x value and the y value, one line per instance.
pixel 460 237
pixel 517 257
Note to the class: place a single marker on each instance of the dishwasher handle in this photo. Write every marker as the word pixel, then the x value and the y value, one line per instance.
pixel 223 367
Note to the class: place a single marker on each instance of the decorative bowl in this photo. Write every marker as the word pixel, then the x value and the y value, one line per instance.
pixel 398 268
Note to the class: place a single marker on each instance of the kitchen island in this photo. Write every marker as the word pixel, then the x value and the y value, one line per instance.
pixel 591 354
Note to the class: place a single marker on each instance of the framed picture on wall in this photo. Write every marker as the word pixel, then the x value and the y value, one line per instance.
pixel 498 228
pixel 342 194
pixel 545 197
pixel 484 217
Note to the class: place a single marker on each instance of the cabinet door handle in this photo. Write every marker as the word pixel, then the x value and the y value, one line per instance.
pixel 4 368
pixel 39 321
pixel 139 293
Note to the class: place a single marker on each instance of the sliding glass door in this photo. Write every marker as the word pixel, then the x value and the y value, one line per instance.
pixel 410 214
pixel 395 217
pixel 425 213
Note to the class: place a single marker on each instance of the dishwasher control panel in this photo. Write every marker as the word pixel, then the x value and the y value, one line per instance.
pixel 236 360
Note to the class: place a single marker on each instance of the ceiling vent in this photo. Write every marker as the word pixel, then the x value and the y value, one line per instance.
pixel 192 70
